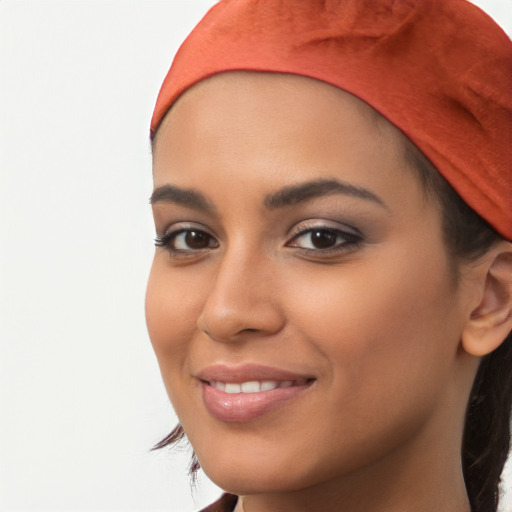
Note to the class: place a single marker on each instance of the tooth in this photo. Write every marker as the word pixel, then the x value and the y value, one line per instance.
pixel 268 385
pixel 250 387
pixel 254 386
pixel 233 388
pixel 219 385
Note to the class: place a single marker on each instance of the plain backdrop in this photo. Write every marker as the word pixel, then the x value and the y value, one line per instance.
pixel 81 400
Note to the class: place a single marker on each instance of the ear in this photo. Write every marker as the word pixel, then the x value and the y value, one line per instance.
pixel 490 321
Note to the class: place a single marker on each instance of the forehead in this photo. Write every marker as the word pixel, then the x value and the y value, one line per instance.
pixel 267 130
pixel 219 99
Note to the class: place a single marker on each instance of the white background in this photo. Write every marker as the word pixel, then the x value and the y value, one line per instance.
pixel 81 401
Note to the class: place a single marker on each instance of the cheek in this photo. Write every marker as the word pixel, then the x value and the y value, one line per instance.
pixel 382 327
pixel 173 302
pixel 387 338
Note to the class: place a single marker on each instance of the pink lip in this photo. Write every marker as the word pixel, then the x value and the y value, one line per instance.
pixel 247 372
pixel 244 407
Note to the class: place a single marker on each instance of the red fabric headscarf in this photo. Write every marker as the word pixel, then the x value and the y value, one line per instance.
pixel 440 70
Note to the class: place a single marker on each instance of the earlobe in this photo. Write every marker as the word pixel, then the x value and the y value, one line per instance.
pixel 491 320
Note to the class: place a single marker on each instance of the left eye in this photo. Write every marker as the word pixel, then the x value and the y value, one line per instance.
pixel 322 239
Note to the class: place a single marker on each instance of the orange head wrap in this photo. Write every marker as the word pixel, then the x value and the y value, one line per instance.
pixel 439 70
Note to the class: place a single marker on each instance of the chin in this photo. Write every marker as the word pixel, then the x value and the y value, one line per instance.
pixel 246 479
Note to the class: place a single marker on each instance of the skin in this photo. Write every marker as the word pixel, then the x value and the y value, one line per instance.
pixel 377 320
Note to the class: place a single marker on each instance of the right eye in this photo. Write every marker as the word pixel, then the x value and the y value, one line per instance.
pixel 186 241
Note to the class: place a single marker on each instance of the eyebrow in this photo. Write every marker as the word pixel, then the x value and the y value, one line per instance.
pixel 182 196
pixel 287 196
pixel 295 194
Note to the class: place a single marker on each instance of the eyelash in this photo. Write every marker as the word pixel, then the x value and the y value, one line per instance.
pixel 351 241
pixel 166 240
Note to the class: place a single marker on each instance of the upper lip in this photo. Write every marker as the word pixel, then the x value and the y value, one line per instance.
pixel 246 373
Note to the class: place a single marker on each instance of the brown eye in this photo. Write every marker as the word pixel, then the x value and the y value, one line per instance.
pixel 186 240
pixel 191 240
pixel 323 239
pixel 195 240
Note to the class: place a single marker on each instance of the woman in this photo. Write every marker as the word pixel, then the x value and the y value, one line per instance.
pixel 330 301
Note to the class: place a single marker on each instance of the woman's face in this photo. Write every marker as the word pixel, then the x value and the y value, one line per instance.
pixel 300 303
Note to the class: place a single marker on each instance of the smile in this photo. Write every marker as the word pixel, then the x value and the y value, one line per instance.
pixel 254 386
pixel 241 394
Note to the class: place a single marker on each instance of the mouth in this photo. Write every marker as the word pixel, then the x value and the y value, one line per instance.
pixel 255 386
pixel 243 394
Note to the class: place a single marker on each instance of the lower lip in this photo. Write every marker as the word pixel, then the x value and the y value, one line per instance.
pixel 243 407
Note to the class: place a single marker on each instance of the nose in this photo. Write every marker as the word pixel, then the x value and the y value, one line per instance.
pixel 243 299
